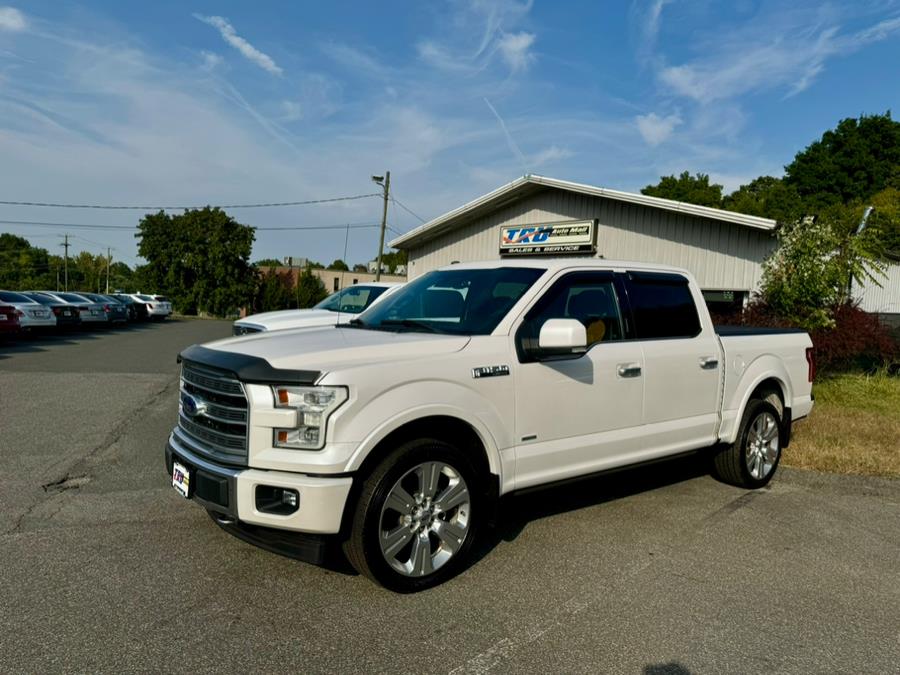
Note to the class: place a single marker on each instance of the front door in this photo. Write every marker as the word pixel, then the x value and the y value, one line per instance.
pixel 577 415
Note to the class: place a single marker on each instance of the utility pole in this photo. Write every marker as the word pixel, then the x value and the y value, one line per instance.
pixel 108 263
pixel 385 182
pixel 66 278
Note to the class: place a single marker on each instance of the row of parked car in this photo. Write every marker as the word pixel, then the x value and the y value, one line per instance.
pixel 25 311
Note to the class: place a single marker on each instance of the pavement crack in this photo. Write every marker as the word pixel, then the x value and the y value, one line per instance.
pixel 66 483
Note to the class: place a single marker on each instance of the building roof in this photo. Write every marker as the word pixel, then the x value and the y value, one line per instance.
pixel 530 184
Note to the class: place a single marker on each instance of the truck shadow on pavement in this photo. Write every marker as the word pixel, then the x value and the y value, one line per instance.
pixel 518 510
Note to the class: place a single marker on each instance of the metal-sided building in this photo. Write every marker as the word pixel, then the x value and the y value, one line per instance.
pixel 535 215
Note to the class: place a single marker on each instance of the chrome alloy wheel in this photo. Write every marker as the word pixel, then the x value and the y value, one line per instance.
pixel 763 445
pixel 425 519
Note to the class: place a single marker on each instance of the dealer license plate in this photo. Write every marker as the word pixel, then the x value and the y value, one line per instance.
pixel 181 479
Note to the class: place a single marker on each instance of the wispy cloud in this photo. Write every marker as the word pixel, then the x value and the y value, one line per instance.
pixel 510 141
pixel 11 19
pixel 655 129
pixel 247 50
pixel 515 48
pixel 787 51
pixel 355 59
pixel 211 60
pixel 648 18
pixel 494 22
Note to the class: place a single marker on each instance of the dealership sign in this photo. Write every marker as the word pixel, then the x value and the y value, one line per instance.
pixel 575 236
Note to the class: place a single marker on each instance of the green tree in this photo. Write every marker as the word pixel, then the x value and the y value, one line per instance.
pixel 393 259
pixel 23 266
pixel 199 258
pixel 853 161
pixel 310 289
pixel 268 262
pixel 885 220
pixel 276 291
pixel 810 272
pixel 687 188
pixel 767 197
pixel 339 265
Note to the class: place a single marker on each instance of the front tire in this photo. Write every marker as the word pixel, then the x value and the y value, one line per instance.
pixel 417 517
pixel 751 461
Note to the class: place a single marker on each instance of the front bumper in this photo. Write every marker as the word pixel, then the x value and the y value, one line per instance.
pixel 231 492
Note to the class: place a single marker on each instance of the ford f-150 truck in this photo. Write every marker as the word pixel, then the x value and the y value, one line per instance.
pixel 398 433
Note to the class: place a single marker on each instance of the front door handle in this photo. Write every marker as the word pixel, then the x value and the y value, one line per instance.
pixel 629 370
pixel 709 362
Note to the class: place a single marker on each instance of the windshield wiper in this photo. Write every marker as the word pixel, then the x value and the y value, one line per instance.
pixel 409 323
pixel 358 323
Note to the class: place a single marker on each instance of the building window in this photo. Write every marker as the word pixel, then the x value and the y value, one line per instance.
pixel 337 284
pixel 355 281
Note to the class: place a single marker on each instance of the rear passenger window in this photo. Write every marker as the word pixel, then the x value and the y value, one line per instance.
pixel 662 306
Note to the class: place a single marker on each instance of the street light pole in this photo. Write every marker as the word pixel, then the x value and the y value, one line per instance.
pixel 386 183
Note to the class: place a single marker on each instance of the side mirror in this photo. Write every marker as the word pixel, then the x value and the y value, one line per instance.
pixel 562 337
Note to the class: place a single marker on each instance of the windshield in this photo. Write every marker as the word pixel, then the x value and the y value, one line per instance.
pixel 458 302
pixel 71 297
pixel 351 300
pixel 145 298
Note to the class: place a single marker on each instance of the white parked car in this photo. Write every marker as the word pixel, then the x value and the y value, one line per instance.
pixel 338 308
pixel 398 433
pixel 31 314
pixel 158 306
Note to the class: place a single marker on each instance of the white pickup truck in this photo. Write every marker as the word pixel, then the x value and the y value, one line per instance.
pixel 398 433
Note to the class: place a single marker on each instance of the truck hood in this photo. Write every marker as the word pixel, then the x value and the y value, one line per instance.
pixel 295 318
pixel 329 349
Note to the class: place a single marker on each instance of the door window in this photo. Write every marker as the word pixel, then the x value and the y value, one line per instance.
pixel 662 306
pixel 589 298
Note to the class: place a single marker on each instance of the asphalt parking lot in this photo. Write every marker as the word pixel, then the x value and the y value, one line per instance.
pixel 105 568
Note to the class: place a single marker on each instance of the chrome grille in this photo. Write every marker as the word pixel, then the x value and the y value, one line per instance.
pixel 219 428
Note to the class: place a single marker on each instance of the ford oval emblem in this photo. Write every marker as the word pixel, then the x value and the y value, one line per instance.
pixel 190 406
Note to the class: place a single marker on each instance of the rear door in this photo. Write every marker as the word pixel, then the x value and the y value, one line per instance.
pixel 681 355
pixel 577 415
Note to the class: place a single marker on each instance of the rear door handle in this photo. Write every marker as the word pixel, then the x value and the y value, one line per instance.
pixel 629 370
pixel 709 362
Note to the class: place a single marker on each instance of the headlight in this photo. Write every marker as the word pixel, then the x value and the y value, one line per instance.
pixel 314 405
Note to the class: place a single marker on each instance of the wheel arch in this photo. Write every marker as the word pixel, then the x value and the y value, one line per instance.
pixel 427 423
pixel 764 377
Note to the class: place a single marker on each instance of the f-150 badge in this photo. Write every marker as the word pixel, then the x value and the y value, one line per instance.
pixel 489 371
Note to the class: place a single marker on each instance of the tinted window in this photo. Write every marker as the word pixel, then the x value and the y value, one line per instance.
pixel 7 296
pixel 587 297
pixel 461 302
pixel 71 297
pixel 43 299
pixel 662 306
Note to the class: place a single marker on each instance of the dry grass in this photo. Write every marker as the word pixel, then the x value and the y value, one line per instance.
pixel 854 427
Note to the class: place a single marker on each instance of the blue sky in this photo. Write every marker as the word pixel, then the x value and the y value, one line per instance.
pixel 236 102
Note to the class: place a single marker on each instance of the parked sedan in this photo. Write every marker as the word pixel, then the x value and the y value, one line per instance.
pixel 31 314
pixel 115 311
pixel 91 312
pixel 67 314
pixel 9 321
pixel 137 309
pixel 157 310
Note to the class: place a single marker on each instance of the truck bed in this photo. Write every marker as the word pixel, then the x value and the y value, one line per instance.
pixel 726 331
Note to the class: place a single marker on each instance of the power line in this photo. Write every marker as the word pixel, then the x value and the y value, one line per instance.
pixel 173 208
pixel 407 209
pixel 87 226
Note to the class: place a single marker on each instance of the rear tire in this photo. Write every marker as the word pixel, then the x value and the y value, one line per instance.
pixel 751 461
pixel 417 517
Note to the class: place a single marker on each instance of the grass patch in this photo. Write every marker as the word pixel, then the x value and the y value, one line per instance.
pixel 854 427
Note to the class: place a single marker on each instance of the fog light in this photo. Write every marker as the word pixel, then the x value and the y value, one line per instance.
pixel 276 500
